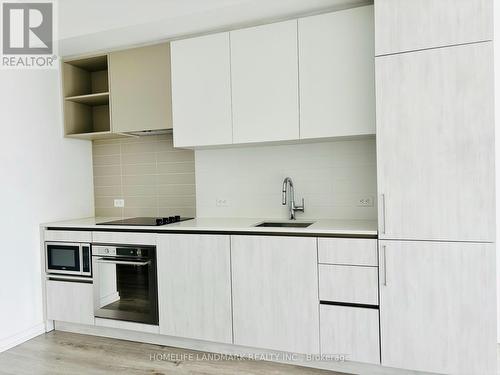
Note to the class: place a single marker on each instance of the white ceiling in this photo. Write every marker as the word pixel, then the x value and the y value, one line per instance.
pixel 104 24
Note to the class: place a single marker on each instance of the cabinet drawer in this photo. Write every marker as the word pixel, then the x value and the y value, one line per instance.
pixel 348 284
pixel 121 238
pixel 69 301
pixel 68 236
pixel 351 331
pixel 350 251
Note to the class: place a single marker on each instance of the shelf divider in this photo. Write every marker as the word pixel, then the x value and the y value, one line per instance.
pixel 90 99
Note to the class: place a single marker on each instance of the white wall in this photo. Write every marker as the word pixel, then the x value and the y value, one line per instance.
pixel 43 177
pixel 331 176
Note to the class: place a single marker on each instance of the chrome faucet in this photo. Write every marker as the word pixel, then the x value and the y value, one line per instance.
pixel 287 182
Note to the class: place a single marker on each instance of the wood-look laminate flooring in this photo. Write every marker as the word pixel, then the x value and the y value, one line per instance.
pixel 66 353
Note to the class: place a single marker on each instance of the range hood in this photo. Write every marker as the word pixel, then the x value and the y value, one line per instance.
pixel 144 133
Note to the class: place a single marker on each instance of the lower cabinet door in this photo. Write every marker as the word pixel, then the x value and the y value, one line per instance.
pixel 275 293
pixel 71 302
pixel 194 286
pixel 437 306
pixel 352 332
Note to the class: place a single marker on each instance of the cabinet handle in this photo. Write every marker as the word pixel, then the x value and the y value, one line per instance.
pixel 384 247
pixel 126 262
pixel 383 212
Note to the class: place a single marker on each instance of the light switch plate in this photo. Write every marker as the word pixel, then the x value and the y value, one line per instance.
pixel 120 203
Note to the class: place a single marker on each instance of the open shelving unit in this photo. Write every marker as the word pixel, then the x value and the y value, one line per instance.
pixel 86 97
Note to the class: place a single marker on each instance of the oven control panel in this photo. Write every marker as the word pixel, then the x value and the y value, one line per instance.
pixel 122 251
pixel 104 250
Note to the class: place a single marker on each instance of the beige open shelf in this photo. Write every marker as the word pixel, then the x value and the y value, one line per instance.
pixel 91 64
pixel 86 97
pixel 82 118
pixel 85 76
pixel 90 99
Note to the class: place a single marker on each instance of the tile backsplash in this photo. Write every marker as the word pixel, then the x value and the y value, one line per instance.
pixel 246 181
pixel 151 176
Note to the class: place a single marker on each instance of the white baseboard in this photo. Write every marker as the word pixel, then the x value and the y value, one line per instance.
pixel 19 338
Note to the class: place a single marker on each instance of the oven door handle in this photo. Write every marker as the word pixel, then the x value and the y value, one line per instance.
pixel 130 263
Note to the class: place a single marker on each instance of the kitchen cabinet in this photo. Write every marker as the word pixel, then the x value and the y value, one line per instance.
pixel 243 86
pixel 275 293
pixel 435 144
pixel 69 301
pixel 201 91
pixel 337 74
pixel 141 89
pixel 438 306
pixel 406 25
pixel 348 251
pixel 350 331
pixel 348 284
pixel 120 92
pixel 120 238
pixel 68 236
pixel 85 89
pixel 264 75
pixel 194 286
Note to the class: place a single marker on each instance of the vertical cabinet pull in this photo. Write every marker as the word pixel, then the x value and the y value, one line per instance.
pixel 384 248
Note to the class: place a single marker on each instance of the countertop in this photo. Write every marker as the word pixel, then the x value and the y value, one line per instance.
pixel 325 227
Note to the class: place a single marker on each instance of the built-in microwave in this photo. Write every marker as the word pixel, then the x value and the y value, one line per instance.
pixel 65 258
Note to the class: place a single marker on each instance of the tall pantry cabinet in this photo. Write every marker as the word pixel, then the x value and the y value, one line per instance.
pixel 435 161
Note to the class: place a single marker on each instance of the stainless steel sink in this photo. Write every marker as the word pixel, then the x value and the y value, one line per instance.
pixel 285 224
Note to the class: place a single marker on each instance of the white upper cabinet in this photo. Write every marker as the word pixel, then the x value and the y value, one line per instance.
pixel 435 144
pixel 336 74
pixel 275 293
pixel 264 73
pixel 201 91
pixel 406 25
pixel 437 306
pixel 243 86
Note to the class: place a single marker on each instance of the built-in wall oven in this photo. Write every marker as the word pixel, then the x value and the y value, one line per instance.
pixel 125 283
pixel 72 259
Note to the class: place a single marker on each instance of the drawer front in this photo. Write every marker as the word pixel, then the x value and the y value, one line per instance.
pixel 352 331
pixel 348 284
pixel 68 236
pixel 349 251
pixel 124 238
pixel 69 301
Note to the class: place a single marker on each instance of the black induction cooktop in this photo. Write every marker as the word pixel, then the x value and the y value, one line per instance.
pixel 147 221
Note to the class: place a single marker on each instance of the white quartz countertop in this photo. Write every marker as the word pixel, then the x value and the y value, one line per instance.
pixel 327 227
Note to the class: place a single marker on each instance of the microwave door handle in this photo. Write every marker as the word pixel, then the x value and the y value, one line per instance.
pixel 130 263
pixel 80 255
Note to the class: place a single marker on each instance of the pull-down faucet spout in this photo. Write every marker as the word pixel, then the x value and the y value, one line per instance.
pixel 288 183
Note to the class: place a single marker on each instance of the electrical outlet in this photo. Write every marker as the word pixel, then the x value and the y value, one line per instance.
pixel 120 203
pixel 365 202
pixel 221 202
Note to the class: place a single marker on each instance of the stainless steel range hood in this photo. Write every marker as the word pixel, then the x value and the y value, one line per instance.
pixel 145 133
